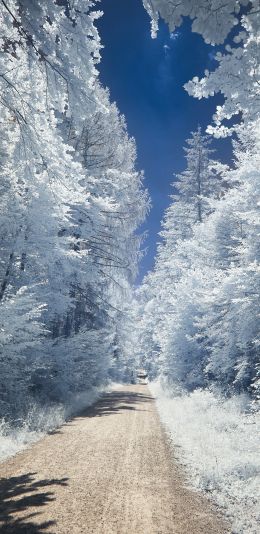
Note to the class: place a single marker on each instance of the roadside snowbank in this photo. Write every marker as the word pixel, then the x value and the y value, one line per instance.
pixel 39 422
pixel 217 442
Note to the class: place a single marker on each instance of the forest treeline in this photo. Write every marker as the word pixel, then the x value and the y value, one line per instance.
pixel 72 202
pixel 200 305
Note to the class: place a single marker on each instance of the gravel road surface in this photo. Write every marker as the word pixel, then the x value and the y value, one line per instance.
pixel 108 471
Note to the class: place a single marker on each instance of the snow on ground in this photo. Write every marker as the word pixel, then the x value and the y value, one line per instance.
pixel 14 439
pixel 39 422
pixel 217 442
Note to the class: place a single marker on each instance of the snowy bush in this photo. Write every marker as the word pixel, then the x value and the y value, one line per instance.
pixel 216 439
pixel 39 421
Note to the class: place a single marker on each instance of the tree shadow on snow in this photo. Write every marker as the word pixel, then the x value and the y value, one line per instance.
pixel 117 402
pixel 20 494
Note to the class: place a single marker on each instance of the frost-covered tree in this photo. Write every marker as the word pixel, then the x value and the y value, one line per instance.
pixel 205 286
pixel 196 185
pixel 231 318
pixel 167 297
pixel 212 18
pixel 71 203
pixel 207 313
pixel 237 76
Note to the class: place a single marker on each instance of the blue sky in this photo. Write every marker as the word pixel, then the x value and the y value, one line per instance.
pixel 145 77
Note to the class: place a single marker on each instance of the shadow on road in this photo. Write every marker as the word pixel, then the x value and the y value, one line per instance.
pixel 117 402
pixel 20 494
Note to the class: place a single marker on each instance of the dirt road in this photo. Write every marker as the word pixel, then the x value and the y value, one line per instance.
pixel 108 471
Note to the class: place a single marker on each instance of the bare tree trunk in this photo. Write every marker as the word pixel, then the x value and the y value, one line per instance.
pixel 6 276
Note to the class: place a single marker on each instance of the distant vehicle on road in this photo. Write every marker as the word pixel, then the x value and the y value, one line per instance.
pixel 142 377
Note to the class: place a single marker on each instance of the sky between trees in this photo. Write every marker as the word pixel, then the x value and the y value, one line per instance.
pixel 145 77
